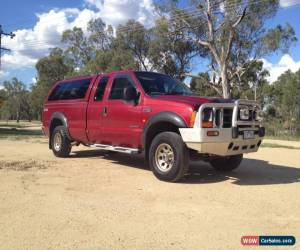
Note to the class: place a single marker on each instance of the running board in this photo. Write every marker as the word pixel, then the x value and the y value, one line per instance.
pixel 116 148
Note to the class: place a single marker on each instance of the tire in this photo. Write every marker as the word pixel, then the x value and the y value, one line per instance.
pixel 227 164
pixel 168 157
pixel 60 147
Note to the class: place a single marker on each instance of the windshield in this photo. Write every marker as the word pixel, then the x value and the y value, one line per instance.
pixel 159 84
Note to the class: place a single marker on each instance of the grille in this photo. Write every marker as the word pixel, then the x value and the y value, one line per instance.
pixel 222 116
pixel 227 118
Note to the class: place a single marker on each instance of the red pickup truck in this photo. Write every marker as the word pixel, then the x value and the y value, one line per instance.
pixel 151 113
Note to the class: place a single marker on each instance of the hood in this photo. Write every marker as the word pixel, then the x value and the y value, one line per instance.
pixel 194 101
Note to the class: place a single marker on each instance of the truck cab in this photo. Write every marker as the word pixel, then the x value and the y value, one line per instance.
pixel 151 113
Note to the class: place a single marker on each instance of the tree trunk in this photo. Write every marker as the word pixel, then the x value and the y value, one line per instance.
pixel 18 117
pixel 225 82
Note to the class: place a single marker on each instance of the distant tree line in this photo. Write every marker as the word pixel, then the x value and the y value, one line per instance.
pixel 229 35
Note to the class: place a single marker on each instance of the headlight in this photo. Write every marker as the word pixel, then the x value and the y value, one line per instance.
pixel 259 115
pixel 244 113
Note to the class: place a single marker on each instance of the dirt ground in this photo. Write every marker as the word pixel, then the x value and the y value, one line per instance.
pixel 98 200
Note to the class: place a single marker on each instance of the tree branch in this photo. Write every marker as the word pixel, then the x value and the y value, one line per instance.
pixel 209 21
pixel 237 22
pixel 243 69
pixel 206 82
pixel 231 34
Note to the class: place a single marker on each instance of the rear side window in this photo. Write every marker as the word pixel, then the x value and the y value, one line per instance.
pixel 101 88
pixel 118 86
pixel 56 92
pixel 70 90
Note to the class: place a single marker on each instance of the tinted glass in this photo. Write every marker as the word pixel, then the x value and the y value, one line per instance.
pixel 70 90
pixel 159 84
pixel 118 86
pixel 101 88
pixel 56 93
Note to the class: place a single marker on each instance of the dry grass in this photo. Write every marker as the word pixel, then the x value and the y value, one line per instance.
pixel 22 165
pixel 274 145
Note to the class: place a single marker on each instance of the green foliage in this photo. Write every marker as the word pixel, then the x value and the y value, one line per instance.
pixel 101 36
pixel 283 110
pixel 200 85
pixel 2 98
pixel 251 83
pixel 16 101
pixel 234 36
pixel 133 37
pixel 110 60
pixel 50 70
pixel 79 51
pixel 169 52
pixel 279 38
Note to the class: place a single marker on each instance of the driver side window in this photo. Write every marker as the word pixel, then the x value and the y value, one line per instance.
pixel 118 86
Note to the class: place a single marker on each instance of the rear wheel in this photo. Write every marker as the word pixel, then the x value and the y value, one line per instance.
pixel 60 143
pixel 168 157
pixel 227 163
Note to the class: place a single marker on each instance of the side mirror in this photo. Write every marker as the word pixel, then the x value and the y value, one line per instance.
pixel 130 94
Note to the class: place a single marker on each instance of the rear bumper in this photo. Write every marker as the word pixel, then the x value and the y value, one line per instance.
pixel 229 141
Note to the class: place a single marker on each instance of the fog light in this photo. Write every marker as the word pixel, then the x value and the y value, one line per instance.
pixel 259 115
pixel 212 133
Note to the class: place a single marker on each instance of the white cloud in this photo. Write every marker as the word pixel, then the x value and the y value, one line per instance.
pixel 17 61
pixel 33 80
pixel 285 63
pixel 116 12
pixel 288 3
pixel 31 44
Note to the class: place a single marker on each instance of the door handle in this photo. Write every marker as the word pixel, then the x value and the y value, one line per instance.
pixel 104 111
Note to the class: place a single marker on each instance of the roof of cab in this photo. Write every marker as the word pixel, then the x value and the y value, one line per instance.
pixel 95 75
pixel 77 78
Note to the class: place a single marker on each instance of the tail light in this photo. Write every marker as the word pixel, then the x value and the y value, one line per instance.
pixel 207 120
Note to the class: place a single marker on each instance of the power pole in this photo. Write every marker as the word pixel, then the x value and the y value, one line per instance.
pixel 11 35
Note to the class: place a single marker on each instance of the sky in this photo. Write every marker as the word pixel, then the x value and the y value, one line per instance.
pixel 38 25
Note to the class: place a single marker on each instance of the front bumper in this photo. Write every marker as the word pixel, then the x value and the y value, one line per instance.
pixel 229 141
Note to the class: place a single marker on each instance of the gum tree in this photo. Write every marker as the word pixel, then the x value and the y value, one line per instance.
pixel 234 33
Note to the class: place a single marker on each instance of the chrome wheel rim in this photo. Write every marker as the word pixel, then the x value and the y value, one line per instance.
pixel 164 157
pixel 57 140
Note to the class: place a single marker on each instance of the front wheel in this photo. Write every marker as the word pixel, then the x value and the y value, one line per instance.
pixel 168 157
pixel 227 163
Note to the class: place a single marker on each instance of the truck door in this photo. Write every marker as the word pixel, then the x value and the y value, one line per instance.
pixel 94 111
pixel 122 123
